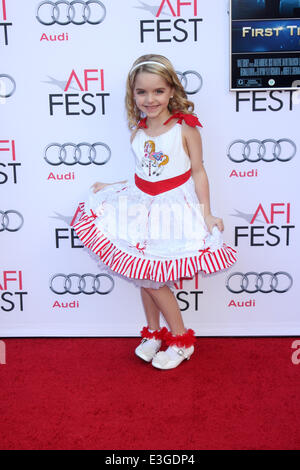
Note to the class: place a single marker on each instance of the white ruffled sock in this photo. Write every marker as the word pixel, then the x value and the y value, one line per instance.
pixel 153 340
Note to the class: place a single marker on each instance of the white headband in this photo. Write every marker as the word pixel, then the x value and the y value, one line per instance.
pixel 147 62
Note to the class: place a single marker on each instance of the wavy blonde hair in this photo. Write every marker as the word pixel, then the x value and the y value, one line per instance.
pixel 179 102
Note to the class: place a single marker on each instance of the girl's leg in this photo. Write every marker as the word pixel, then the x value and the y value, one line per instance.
pixel 151 309
pixel 167 303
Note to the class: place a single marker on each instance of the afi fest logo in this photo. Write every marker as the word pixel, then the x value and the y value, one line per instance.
pixel 268 226
pixel 182 22
pixel 4 24
pixel 259 101
pixel 8 162
pixel 11 291
pixel 90 98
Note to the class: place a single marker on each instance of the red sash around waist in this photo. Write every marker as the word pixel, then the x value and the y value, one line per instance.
pixel 156 187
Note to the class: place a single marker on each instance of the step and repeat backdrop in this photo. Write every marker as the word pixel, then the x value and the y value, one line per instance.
pixel 63 126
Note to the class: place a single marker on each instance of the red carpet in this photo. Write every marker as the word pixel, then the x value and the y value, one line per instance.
pixel 94 393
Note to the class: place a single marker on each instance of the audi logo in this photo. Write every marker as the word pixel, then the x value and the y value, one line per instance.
pixel 3 85
pixel 190 80
pixel 261 281
pixel 70 12
pixel 6 221
pixel 76 156
pixel 245 150
pixel 66 283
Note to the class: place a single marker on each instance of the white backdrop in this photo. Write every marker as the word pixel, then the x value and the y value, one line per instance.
pixel 257 200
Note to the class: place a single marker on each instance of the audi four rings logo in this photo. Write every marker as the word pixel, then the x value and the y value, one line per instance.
pixel 90 8
pixel 79 284
pixel 3 93
pixel 260 154
pixel 9 223
pixel 76 156
pixel 190 80
pixel 270 285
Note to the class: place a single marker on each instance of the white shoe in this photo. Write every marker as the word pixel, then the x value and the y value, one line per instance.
pixel 148 348
pixel 172 357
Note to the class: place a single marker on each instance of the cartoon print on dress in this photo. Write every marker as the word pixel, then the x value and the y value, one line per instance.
pixel 139 247
pixel 153 161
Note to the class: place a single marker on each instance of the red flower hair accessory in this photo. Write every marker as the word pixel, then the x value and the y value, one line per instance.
pixel 157 334
pixel 182 341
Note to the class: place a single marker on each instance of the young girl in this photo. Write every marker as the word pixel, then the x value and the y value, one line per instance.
pixel 169 187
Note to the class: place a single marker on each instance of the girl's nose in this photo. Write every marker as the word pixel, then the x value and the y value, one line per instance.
pixel 150 98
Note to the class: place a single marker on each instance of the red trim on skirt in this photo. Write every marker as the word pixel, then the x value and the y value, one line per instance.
pixel 156 187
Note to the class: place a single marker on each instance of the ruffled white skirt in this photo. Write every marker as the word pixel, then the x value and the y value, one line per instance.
pixel 150 240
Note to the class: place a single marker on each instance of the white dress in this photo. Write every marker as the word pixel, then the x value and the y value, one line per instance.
pixel 152 240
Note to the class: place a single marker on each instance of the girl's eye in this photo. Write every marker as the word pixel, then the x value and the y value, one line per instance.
pixel 142 92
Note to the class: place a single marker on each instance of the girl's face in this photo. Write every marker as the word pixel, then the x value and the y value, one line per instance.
pixel 152 94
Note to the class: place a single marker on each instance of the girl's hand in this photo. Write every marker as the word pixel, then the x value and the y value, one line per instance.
pixel 210 221
pixel 97 186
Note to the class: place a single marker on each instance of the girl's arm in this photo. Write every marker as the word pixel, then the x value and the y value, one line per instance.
pixel 193 145
pixel 98 185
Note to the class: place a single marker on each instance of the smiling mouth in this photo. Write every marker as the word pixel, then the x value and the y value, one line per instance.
pixel 152 107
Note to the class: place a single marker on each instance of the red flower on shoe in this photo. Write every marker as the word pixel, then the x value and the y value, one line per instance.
pixel 157 334
pixel 181 341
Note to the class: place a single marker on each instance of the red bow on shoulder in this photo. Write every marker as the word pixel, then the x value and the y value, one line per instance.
pixel 142 123
pixel 189 119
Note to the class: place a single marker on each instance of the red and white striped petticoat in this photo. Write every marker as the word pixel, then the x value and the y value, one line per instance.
pixel 150 240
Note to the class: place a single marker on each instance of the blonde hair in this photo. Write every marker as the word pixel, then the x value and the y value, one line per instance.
pixel 179 102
